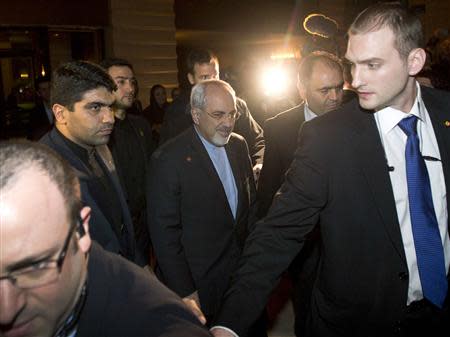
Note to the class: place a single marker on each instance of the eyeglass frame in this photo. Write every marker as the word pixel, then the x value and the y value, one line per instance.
pixel 225 115
pixel 12 276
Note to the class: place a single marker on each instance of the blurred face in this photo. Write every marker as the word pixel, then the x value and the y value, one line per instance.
pixel 160 96
pixel 381 76
pixel 216 123
pixel 324 90
pixel 203 72
pixel 34 226
pixel 91 121
pixel 43 91
pixel 126 86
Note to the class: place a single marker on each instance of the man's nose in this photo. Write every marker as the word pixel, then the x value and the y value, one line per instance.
pixel 130 87
pixel 108 115
pixel 333 94
pixel 356 77
pixel 12 301
pixel 228 120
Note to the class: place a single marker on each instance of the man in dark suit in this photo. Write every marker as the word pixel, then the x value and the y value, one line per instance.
pixel 131 146
pixel 379 196
pixel 82 101
pixel 42 116
pixel 204 65
pixel 54 280
pixel 320 84
pixel 202 199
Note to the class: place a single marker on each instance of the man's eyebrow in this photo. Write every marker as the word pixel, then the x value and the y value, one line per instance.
pixel 101 103
pixel 30 260
pixel 125 77
pixel 332 86
pixel 366 61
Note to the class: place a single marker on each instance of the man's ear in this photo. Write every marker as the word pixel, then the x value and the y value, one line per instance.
pixel 195 113
pixel 59 111
pixel 191 78
pixel 301 89
pixel 416 61
pixel 84 239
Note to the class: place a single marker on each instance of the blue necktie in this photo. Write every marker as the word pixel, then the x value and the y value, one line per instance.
pixel 427 240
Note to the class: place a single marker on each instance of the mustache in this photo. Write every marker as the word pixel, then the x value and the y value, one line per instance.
pixel 106 127
pixel 225 129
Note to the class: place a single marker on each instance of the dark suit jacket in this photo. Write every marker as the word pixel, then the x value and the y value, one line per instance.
pixel 178 118
pixel 197 242
pixel 125 300
pixel 101 228
pixel 281 138
pixel 339 177
pixel 131 145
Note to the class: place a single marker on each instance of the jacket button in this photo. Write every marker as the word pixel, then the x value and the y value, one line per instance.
pixel 403 275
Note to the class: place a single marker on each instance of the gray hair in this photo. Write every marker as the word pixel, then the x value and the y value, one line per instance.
pixel 198 93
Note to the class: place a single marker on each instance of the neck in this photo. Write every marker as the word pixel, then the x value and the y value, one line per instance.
pixel 61 128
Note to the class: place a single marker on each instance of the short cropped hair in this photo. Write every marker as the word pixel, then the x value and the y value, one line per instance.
pixel 73 79
pixel 406 27
pixel 199 91
pixel 199 56
pixel 19 155
pixel 307 64
pixel 114 61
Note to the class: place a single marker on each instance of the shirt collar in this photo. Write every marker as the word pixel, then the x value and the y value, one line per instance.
pixel 209 146
pixel 309 114
pixel 389 117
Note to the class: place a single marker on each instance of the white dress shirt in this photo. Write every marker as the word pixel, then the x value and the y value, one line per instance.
pixel 394 143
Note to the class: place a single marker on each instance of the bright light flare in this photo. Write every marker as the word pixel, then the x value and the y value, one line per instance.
pixel 274 81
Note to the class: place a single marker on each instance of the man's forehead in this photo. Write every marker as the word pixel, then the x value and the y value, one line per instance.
pixel 32 203
pixel 219 97
pixel 99 94
pixel 320 68
pixel 206 66
pixel 357 46
pixel 121 71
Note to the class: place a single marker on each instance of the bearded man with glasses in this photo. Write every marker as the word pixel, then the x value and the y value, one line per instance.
pixel 55 281
pixel 202 200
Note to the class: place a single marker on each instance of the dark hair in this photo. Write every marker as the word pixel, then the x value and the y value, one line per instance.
pixel 199 56
pixel 307 64
pixel 19 155
pixel 112 61
pixel 152 94
pixel 73 79
pixel 405 26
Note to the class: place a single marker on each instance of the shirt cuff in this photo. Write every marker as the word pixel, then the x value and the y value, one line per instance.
pixel 224 328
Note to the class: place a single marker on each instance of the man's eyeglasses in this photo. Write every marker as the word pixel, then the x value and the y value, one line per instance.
pixel 221 116
pixel 43 272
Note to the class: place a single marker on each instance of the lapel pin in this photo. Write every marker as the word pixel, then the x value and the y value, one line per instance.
pixel 188 159
pixel 447 123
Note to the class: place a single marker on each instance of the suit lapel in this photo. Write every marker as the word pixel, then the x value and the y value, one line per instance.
pixel 440 116
pixel 208 166
pixel 375 168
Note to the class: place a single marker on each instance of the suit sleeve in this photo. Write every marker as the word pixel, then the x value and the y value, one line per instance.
pixel 248 128
pixel 271 173
pixel 278 238
pixel 165 225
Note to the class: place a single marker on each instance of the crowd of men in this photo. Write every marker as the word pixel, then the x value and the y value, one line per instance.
pixel 103 234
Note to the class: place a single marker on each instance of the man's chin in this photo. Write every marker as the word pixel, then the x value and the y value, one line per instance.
pixel 220 141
